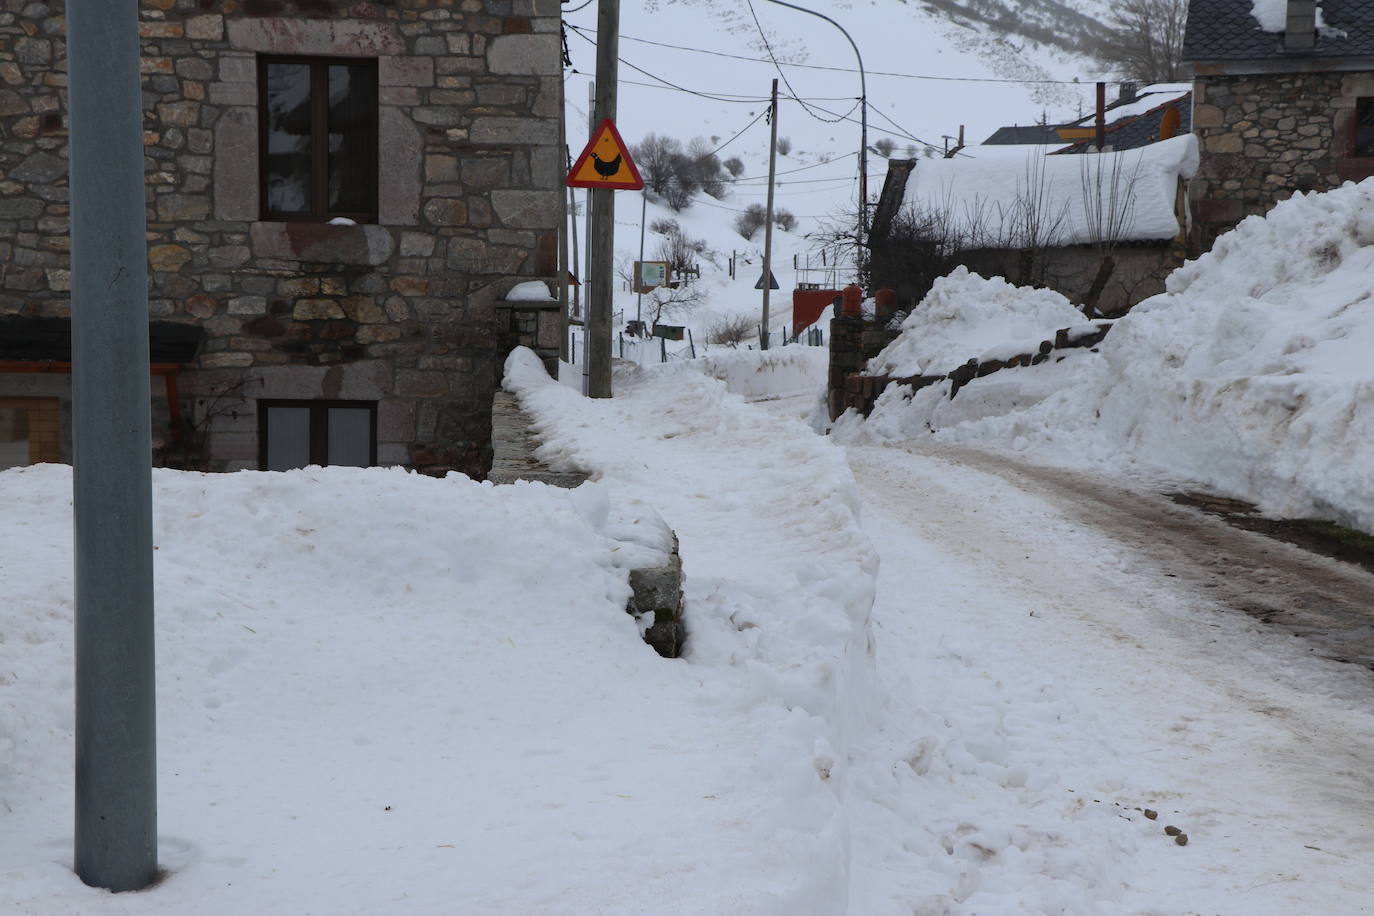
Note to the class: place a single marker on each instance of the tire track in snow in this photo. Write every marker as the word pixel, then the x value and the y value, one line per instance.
pixel 1257 742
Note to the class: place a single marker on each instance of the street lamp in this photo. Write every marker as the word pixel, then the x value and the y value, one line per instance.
pixel 863 121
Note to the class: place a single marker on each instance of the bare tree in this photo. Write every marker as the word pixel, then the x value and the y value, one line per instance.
pixel 1108 210
pixel 668 302
pixel 654 155
pixel 1146 41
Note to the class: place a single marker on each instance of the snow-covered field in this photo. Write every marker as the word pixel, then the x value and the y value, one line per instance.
pixel 1250 375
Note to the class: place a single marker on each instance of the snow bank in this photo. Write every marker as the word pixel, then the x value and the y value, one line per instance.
pixel 381 693
pixel 779 576
pixel 1071 199
pixel 1251 374
pixel 965 316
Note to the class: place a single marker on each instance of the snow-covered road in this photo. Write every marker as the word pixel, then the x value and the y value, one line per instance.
pixel 1047 678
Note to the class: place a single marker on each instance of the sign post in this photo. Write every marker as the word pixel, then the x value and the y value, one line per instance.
pixel 604 166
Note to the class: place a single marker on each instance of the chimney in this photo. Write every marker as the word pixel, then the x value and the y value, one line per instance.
pixel 1126 92
pixel 1301 33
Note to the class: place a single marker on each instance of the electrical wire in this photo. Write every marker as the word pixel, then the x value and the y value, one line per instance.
pixel 769 48
pixel 910 76
pixel 804 168
pixel 577 9
pixel 739 100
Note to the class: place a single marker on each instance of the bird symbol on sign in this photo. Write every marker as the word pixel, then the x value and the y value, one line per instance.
pixel 606 168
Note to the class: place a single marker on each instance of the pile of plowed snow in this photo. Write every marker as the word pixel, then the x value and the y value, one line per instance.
pixel 965 316
pixel 1251 374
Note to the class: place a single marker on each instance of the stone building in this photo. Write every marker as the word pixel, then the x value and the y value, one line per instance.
pixel 1283 101
pixel 1103 229
pixel 339 193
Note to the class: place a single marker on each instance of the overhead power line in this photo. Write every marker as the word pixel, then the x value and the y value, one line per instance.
pixel 909 76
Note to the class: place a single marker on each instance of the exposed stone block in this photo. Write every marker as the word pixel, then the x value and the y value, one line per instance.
pixel 514 131
pixel 351 38
pixel 527 209
pixel 205 28
pixel 405 71
pixel 399 187
pixel 320 242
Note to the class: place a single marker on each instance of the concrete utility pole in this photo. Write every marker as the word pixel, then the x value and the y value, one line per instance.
pixel 116 742
pixel 768 226
pixel 602 263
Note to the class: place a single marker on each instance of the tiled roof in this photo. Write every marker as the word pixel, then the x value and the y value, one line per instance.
pixel 1141 130
pixel 1226 30
pixel 1036 134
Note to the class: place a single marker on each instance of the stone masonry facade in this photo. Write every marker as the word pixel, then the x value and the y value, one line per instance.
pixel 1265 136
pixel 401 312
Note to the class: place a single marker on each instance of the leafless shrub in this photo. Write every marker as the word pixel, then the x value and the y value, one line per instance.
pixel 751 220
pixel 730 330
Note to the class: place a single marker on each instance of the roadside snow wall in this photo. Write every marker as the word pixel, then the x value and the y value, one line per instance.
pixel 780 578
pixel 1251 374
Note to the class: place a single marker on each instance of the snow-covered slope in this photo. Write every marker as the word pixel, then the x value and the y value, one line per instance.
pixel 702 68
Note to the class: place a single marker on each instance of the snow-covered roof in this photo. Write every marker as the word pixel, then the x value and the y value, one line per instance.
pixel 1057 200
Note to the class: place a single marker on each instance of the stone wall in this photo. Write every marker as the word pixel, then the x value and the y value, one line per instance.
pixel 1265 136
pixel 855 341
pixel 401 312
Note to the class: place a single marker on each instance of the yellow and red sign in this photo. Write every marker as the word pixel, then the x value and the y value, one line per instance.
pixel 605 163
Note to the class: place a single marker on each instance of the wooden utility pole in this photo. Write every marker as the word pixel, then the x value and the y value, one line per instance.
pixel 768 226
pixel 602 264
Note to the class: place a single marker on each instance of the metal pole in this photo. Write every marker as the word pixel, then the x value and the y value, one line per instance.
pixel 116 741
pixel 563 237
pixel 643 213
pixel 863 122
pixel 602 264
pixel 572 223
pixel 768 226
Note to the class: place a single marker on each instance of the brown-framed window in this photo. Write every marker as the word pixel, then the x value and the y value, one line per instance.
pixel 317 127
pixel 29 432
pixel 293 434
pixel 1364 127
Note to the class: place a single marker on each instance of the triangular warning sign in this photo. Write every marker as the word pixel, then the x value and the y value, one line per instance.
pixel 605 163
pixel 772 281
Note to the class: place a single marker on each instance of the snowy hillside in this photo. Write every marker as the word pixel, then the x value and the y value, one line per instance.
pixel 702 68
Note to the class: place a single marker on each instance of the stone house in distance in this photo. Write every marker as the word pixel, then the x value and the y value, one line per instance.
pixel 339 193
pixel 1283 101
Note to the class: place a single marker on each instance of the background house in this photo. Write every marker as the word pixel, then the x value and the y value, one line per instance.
pixel 1100 228
pixel 339 193
pixel 1283 101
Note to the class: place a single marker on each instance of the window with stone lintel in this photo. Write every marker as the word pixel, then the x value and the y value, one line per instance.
pixel 318 138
